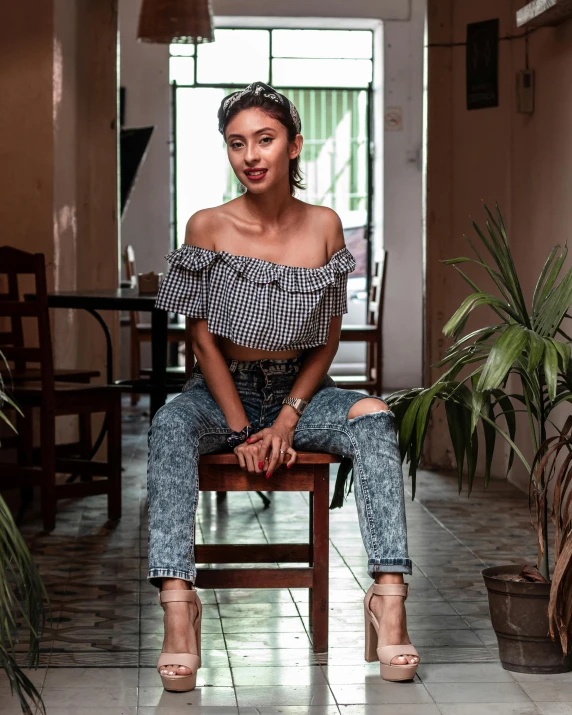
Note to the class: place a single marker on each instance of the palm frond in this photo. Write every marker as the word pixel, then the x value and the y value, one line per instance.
pixel 549 466
pixel 23 597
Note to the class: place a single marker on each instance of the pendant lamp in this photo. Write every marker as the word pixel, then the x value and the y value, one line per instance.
pixel 172 21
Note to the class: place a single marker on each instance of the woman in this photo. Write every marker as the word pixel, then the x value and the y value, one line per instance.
pixel 263 279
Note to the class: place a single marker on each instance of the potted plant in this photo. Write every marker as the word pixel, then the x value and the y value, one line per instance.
pixel 22 599
pixel 527 342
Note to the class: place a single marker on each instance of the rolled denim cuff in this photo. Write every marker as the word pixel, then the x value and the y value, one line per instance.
pixel 155 576
pixel 389 566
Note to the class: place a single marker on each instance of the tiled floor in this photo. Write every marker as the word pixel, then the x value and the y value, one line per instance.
pixel 99 655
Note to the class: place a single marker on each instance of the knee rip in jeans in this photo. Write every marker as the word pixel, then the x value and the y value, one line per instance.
pixel 367 406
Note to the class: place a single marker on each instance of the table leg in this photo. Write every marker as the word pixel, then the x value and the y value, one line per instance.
pixel 108 344
pixel 158 385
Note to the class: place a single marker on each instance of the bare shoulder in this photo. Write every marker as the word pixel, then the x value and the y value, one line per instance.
pixel 202 227
pixel 329 225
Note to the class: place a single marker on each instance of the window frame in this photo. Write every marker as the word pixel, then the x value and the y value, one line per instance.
pixel 271 57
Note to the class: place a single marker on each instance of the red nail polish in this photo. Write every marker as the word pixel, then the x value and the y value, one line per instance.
pixel 248 440
pixel 288 466
pixel 260 465
pixel 268 474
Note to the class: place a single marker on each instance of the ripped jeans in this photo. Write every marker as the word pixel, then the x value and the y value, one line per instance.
pixel 193 424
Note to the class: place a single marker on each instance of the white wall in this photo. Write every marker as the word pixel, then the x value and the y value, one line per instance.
pixel 145 75
pixel 144 72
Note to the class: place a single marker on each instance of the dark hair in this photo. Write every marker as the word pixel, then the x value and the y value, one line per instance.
pixel 276 111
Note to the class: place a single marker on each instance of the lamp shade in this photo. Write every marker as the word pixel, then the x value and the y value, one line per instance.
pixel 184 21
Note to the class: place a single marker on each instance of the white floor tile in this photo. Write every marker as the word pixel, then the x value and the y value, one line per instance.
pixel 380 693
pixel 477 693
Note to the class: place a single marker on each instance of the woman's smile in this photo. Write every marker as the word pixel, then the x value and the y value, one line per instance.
pixel 255 174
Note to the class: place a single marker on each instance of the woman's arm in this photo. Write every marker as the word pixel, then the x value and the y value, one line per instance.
pixel 217 375
pixel 199 232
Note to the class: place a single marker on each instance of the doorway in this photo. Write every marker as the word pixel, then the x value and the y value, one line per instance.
pixel 328 76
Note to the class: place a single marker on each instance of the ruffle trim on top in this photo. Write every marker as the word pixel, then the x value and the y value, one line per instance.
pixel 293 279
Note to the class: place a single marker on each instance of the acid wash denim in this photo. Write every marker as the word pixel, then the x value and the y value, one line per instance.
pixel 193 424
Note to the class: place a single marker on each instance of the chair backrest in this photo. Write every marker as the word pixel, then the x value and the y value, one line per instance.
pixel 14 263
pixel 129 261
pixel 377 291
pixel 189 354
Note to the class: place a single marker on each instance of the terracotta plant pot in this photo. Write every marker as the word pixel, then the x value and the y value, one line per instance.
pixel 519 614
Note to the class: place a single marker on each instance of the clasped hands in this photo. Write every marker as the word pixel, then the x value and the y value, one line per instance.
pixel 266 450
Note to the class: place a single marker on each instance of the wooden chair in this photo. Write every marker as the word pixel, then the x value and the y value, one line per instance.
pixel 221 472
pixel 371 333
pixel 141 332
pixel 14 336
pixel 38 467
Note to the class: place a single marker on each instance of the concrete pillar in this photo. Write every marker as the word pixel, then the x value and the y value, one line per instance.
pixel 58 153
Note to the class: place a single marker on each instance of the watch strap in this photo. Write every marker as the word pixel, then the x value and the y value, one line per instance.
pixel 297 403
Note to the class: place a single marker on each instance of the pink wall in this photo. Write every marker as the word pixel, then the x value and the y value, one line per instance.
pixel 58 155
pixel 523 162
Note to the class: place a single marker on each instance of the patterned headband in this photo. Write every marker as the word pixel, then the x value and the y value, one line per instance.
pixel 266 91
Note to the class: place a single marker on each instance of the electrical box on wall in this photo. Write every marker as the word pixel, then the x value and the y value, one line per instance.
pixel 525 91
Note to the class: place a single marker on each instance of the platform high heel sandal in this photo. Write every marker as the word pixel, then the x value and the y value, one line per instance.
pixel 386 653
pixel 182 683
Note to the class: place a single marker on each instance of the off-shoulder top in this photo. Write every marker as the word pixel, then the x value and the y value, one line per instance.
pixel 257 303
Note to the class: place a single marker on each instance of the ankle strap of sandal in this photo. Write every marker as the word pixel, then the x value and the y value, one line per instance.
pixel 178 595
pixel 391 589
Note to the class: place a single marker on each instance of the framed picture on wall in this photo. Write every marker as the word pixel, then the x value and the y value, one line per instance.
pixel 483 64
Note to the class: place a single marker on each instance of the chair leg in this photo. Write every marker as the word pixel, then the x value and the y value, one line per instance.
pixel 378 368
pixel 320 603
pixel 114 459
pixel 85 441
pixel 135 359
pixel 369 364
pixel 25 458
pixel 311 559
pixel 48 484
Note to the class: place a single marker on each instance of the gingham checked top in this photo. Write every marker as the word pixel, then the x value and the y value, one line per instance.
pixel 257 303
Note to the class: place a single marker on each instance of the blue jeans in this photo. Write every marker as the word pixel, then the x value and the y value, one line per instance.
pixel 193 424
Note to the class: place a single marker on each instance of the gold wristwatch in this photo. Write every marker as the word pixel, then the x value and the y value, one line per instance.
pixel 297 403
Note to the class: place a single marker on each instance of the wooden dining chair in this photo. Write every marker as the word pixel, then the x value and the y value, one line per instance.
pixel 39 466
pixel 13 334
pixel 310 473
pixel 371 334
pixel 140 332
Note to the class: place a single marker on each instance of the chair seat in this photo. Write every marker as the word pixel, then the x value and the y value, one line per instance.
pixel 368 333
pixel 303 458
pixel 67 375
pixel 30 393
pixel 172 329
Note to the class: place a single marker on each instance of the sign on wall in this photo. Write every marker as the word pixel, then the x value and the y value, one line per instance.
pixel 483 64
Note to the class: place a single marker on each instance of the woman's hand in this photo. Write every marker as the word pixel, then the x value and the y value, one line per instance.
pixel 248 456
pixel 274 446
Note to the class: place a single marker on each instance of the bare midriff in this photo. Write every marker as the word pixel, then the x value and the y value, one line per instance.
pixel 240 352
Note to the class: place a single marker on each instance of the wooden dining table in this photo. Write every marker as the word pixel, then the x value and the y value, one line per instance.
pixel 128 299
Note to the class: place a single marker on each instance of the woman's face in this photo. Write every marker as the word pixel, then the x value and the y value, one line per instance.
pixel 259 150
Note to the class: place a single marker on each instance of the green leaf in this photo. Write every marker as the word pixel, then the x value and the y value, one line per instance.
pixel 550 364
pixel 535 350
pixel 541 292
pixel 453 412
pixel 477 401
pixel 490 438
pixel 472 449
pixel 508 413
pixel 475 300
pixel 563 350
pixel 407 426
pixel 422 422
pixel 505 351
